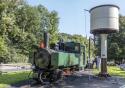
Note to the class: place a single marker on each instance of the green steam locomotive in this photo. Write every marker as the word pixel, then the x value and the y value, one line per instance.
pixel 50 64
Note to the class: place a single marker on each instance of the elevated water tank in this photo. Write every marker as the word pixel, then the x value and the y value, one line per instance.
pixel 104 19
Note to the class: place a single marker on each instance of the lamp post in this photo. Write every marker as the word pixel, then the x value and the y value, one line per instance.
pixel 85 10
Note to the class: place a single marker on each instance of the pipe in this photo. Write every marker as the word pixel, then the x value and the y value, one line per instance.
pixel 46 39
pixel 104 54
pixel 103 45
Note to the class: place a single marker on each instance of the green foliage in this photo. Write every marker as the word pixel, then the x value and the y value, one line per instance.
pixel 116 43
pixel 21 27
pixel 53 26
pixel 3 49
pixel 114 51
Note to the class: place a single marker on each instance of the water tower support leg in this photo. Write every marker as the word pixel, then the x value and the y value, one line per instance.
pixel 103 72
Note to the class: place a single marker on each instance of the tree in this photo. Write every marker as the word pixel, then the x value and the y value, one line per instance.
pixel 116 42
pixel 54 21
pixel 3 49
pixel 114 51
pixel 22 26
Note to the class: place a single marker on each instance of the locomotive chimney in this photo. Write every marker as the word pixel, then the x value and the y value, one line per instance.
pixel 46 39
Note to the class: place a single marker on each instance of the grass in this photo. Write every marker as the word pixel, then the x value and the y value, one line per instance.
pixel 7 79
pixel 113 71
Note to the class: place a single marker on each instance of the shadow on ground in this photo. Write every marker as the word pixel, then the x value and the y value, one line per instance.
pixel 76 81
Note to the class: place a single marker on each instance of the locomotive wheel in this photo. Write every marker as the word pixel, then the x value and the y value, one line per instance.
pixel 56 75
pixel 40 78
pixel 51 77
pixel 43 77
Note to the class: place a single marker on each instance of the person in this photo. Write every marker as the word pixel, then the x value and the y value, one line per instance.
pixel 56 47
pixel 61 44
pixel 94 62
pixel 98 62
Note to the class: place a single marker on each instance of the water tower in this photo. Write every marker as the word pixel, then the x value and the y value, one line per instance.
pixel 104 19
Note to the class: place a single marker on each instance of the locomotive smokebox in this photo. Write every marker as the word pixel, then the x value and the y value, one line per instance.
pixel 104 19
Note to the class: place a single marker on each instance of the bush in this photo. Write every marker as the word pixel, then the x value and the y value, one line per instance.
pixel 111 63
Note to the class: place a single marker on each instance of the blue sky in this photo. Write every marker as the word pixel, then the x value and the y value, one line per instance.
pixel 72 14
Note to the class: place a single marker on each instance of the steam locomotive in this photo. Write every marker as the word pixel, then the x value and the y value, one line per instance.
pixel 51 64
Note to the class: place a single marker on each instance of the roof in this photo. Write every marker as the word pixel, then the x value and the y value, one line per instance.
pixel 104 5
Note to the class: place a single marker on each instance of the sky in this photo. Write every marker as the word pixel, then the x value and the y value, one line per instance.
pixel 72 15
